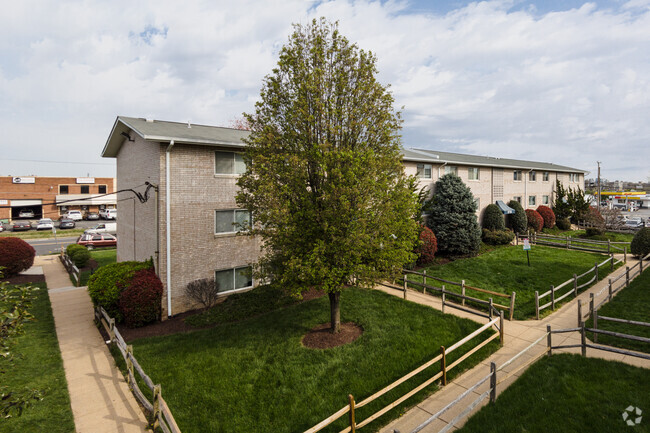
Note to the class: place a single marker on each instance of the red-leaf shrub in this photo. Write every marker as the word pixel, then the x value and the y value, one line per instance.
pixel 140 301
pixel 547 215
pixel 16 256
pixel 535 220
pixel 428 246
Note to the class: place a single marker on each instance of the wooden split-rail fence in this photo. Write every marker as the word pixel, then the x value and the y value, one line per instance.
pixel 70 267
pixel 157 410
pixel 352 406
pixel 567 242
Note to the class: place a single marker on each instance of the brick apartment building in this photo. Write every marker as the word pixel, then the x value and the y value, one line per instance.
pixel 187 225
pixel 51 197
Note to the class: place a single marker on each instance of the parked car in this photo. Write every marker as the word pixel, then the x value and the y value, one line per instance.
pixel 633 224
pixel 2 227
pixel 21 226
pixel 44 224
pixel 108 214
pixel 95 240
pixel 91 216
pixel 26 213
pixel 66 223
pixel 110 228
pixel 73 215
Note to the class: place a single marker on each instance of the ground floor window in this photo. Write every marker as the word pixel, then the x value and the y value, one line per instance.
pixel 532 200
pixel 517 198
pixel 545 200
pixel 234 279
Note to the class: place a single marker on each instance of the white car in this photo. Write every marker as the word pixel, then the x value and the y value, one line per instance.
pixel 108 214
pixel 45 224
pixel 74 215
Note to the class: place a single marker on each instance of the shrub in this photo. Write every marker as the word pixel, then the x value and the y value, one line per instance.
pixel 594 231
pixel 563 223
pixel 593 218
pixel 547 215
pixel 535 220
pixel 204 291
pixel 105 285
pixel 493 218
pixel 517 221
pixel 640 245
pixel 70 249
pixel 80 257
pixel 427 246
pixel 16 256
pixel 497 237
pixel 453 217
pixel 140 301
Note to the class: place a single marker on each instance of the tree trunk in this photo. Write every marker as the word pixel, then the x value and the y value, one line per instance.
pixel 335 312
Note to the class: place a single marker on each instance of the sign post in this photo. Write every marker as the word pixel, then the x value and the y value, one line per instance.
pixel 527 249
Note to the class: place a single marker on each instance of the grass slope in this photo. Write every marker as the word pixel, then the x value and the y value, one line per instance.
pixel 255 376
pixel 40 367
pixel 41 234
pixel 568 393
pixel 505 270
pixel 103 257
pixel 631 303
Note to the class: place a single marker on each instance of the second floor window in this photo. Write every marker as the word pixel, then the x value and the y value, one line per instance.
pixel 516 175
pixel 545 176
pixel 473 173
pixel 451 169
pixel 231 221
pixel 424 171
pixel 63 189
pixel 229 163
pixel 532 176
pixel 85 189
pixel 102 189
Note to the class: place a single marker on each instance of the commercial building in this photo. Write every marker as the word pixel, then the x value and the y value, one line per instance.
pixel 186 223
pixel 51 197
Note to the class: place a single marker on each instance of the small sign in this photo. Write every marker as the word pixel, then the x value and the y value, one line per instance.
pixel 4 202
pixel 526 245
pixel 85 180
pixel 24 180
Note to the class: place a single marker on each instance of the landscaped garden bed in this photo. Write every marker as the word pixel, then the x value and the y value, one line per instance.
pixel 505 270
pixel 568 393
pixel 256 375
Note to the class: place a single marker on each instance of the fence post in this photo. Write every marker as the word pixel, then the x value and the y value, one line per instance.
pixel 579 311
pixel 609 289
pixel 462 291
pixel 156 406
pixel 353 425
pixel 625 254
pixel 596 270
pixel 129 366
pixel 512 304
pixel 405 286
pixel 641 265
pixel 594 315
pixel 567 242
pixel 609 246
pixel 111 329
pixel 548 340
pixel 493 382
pixel 583 339
pixel 443 299
pixel 443 365
pixel 552 297
pixel 627 276
pixel 591 303
pixel 575 285
pixel 490 307
pixel 501 333
pixel 536 305
pixel 424 281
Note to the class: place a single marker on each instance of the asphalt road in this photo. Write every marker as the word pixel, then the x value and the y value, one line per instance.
pixel 51 245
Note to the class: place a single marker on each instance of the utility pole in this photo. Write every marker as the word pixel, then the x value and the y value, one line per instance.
pixel 598 207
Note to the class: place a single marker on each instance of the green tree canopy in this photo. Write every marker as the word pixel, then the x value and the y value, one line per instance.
pixel 324 178
pixel 453 217
pixel 517 221
pixel 493 218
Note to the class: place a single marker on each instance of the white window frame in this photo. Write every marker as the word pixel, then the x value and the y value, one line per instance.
pixel 421 171
pixel 545 200
pixel 234 219
pixel 532 176
pixel 532 198
pixel 517 175
pixel 453 169
pixel 517 198
pixel 477 170
pixel 234 279
pixel 234 163
pixel 546 176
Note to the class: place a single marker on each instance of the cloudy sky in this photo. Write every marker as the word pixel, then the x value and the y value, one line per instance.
pixel 558 81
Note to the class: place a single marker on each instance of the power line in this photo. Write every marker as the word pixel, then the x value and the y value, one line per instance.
pixel 57 162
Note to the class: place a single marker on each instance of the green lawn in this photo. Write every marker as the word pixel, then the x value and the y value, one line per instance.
pixel 568 393
pixel 33 234
pixel 631 303
pixel 505 270
pixel 612 236
pixel 255 376
pixel 103 257
pixel 39 366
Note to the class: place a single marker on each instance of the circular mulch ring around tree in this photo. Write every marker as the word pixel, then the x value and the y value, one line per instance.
pixel 320 337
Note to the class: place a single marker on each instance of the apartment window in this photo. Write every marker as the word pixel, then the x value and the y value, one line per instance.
pixel 545 176
pixel 532 176
pixel 517 198
pixel 424 171
pixel 102 189
pixel 573 177
pixel 63 189
pixel 532 200
pixel 477 202
pixel 545 200
pixel 517 175
pixel 229 163
pixel 85 189
pixel 473 173
pixel 234 279
pixel 451 169
pixel 231 221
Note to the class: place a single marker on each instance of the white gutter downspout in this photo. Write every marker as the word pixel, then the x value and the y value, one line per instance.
pixel 439 167
pixel 168 228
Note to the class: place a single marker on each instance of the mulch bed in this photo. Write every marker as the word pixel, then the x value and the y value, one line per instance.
pixel 320 337
pixel 25 279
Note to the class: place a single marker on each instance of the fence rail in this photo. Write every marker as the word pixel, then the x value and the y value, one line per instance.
pixel 160 413
pixel 591 245
pixel 441 375
pixel 70 267
pixel 492 307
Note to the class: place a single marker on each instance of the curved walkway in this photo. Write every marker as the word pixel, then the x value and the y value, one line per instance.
pixel 519 334
pixel 100 397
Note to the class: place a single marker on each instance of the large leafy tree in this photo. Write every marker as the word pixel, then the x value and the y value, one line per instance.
pixel 453 217
pixel 324 178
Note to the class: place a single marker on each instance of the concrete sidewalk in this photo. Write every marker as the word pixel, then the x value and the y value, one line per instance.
pixel 100 397
pixel 518 336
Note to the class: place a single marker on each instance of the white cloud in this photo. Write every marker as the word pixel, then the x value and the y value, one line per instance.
pixel 567 86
